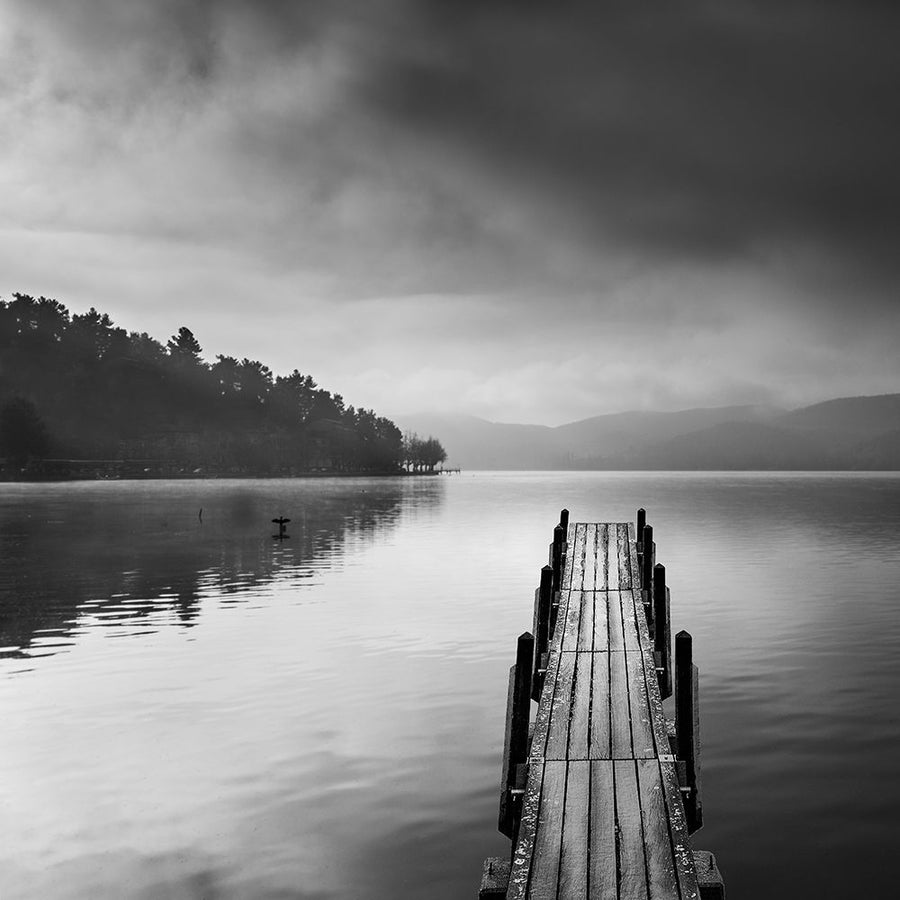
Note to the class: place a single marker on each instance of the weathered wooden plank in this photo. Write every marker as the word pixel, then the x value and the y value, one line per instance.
pixel 558 735
pixel 643 743
pixel 545 708
pixel 611 578
pixel 654 702
pixel 523 852
pixel 600 707
pixel 568 547
pixel 682 854
pixel 573 863
pixel 632 864
pixel 661 876
pixel 590 558
pixel 634 558
pixel 643 629
pixel 603 877
pixel 616 626
pixel 548 841
pixel 620 708
pixel 571 622
pixel 601 621
pixel 580 720
pixel 630 614
pixel 578 557
pixel 602 556
pixel 623 551
pixel 568 566
pixel 586 623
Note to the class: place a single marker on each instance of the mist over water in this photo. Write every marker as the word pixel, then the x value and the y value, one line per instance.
pixel 193 709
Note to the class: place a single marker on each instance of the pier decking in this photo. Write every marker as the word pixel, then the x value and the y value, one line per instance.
pixel 597 804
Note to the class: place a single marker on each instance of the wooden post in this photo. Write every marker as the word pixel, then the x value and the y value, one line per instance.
pixel 687 727
pixel 542 631
pixel 641 522
pixel 518 709
pixel 647 560
pixel 564 543
pixel 494 879
pixel 559 542
pixel 662 635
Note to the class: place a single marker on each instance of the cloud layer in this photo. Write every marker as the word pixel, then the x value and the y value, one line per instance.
pixel 522 210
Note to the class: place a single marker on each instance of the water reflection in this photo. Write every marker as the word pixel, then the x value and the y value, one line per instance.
pixel 136 557
pixel 225 715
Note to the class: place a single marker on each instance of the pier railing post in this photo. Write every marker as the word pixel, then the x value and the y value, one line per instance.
pixel 518 709
pixel 662 634
pixel 559 544
pixel 687 727
pixel 564 521
pixel 639 536
pixel 648 559
pixel 542 630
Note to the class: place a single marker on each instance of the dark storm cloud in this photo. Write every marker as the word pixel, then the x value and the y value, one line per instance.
pixel 470 198
pixel 707 129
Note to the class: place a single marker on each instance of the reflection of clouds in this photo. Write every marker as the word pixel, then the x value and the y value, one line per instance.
pixel 134 557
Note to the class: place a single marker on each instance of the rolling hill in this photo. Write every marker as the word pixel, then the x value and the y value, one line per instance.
pixel 845 433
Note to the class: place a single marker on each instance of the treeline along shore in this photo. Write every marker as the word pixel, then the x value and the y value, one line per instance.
pixel 83 398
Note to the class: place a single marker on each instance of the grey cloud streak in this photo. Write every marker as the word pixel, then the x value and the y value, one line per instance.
pixel 532 178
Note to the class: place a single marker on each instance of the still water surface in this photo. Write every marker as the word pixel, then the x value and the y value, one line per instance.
pixel 192 709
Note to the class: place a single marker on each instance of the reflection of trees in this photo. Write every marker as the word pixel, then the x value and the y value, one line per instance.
pixel 114 548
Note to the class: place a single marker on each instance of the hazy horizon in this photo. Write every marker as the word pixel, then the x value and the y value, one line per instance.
pixel 523 212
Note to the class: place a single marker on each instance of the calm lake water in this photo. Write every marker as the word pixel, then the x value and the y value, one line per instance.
pixel 192 709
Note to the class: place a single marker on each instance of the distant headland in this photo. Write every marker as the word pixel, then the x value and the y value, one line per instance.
pixel 83 398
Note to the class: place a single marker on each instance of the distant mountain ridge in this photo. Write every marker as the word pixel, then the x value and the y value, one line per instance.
pixel 845 433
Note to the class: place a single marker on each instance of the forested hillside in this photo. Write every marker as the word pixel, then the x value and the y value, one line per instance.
pixel 77 387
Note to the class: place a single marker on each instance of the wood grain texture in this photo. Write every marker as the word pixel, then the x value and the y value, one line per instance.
pixel 643 743
pixel 558 734
pixel 580 719
pixel 601 621
pixel 682 853
pixel 620 708
pixel 586 622
pixel 611 579
pixel 602 583
pixel 623 553
pixel 545 708
pixel 630 614
pixel 571 622
pixel 630 830
pixel 661 877
pixel 603 878
pixel 548 841
pixel 600 708
pixel 568 560
pixel 578 557
pixel 523 853
pixel 616 626
pixel 590 558
pixel 573 863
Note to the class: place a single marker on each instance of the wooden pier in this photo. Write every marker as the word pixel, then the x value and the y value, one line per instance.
pixel 601 793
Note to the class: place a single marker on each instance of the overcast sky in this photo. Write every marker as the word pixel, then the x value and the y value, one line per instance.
pixel 522 209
